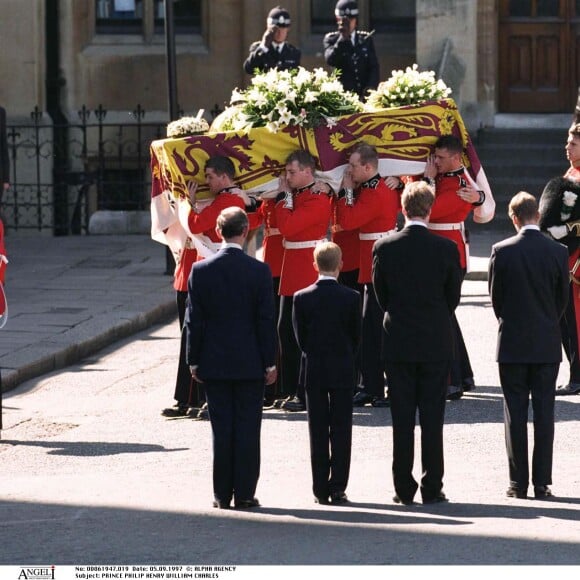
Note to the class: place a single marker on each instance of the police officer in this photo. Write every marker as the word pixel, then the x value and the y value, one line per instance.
pixel 273 51
pixel 352 51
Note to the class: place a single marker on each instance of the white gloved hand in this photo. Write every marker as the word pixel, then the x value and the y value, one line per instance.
pixel 558 232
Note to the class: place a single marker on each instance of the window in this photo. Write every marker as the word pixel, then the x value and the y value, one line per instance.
pixel 130 16
pixel 393 16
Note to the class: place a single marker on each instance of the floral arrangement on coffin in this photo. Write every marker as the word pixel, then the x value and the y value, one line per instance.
pixel 186 126
pixel 288 97
pixel 408 87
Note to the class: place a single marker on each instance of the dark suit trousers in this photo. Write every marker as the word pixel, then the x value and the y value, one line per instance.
pixel 330 428
pixel 570 337
pixel 235 413
pixel 274 390
pixel 422 386
pixel 460 366
pixel 187 391
pixel 372 368
pixel 517 382
pixel 290 354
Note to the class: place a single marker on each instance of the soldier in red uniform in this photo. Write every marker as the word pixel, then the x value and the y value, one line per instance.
pixel 201 221
pixel 303 214
pixel 560 216
pixel 373 213
pixel 456 195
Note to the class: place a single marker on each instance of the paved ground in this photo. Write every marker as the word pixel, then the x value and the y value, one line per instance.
pixel 70 296
pixel 92 474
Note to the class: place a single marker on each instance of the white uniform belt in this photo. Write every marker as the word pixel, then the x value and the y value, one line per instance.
pixel 272 232
pixel 442 227
pixel 365 237
pixel 301 245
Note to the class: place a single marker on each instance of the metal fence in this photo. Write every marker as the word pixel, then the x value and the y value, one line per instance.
pixel 60 173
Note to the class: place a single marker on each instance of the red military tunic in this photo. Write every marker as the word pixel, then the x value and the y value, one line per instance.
pixel 273 248
pixel 204 222
pixel 451 210
pixel 307 222
pixel 183 268
pixel 348 242
pixel 374 214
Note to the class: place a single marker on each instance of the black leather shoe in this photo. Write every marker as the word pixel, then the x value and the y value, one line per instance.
pixel 321 500
pixel 338 498
pixel 468 384
pixel 454 393
pixel 294 405
pixel 542 492
pixel 178 410
pixel 361 399
pixel 268 403
pixel 381 402
pixel 400 500
pixel 278 403
pixel 221 504
pixel 570 389
pixel 517 492
pixel 244 504
pixel 439 498
pixel 203 413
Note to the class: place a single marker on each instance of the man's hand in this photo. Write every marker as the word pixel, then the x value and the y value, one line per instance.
pixel 430 168
pixel 469 193
pixel 270 376
pixel 192 189
pixel 321 187
pixel 347 182
pixel 193 371
pixel 268 36
pixel 241 193
pixel 393 182
pixel 558 232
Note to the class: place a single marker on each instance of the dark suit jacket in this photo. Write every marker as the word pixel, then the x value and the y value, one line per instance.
pixel 4 159
pixel 528 284
pixel 327 325
pixel 231 332
pixel 288 59
pixel 417 280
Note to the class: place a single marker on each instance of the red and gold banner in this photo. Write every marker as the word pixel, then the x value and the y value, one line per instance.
pixel 404 138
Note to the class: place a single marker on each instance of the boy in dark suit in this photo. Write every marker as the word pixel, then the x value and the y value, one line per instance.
pixel 231 349
pixel 528 284
pixel 326 318
pixel 417 280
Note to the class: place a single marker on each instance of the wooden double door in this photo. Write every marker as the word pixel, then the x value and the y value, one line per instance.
pixel 539 55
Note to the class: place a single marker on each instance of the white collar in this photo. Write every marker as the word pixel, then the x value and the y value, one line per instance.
pixel 232 245
pixel 415 223
pixel 530 227
pixel 324 277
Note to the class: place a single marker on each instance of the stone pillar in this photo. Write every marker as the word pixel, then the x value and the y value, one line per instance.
pixel 455 20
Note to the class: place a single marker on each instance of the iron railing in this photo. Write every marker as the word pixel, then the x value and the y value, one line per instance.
pixel 61 173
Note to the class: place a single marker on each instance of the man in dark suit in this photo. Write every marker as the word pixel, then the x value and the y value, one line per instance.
pixel 231 349
pixel 528 284
pixel 417 280
pixel 327 323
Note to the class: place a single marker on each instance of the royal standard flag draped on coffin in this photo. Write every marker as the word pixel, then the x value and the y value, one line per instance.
pixel 404 138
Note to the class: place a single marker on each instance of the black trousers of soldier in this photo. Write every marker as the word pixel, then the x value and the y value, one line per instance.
pixel 289 375
pixel 372 366
pixel 187 391
pixel 570 337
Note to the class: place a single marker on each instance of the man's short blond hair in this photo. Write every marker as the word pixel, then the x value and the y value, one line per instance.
pixel 524 206
pixel 417 199
pixel 327 256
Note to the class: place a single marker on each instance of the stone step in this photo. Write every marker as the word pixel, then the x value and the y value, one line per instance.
pixel 496 137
